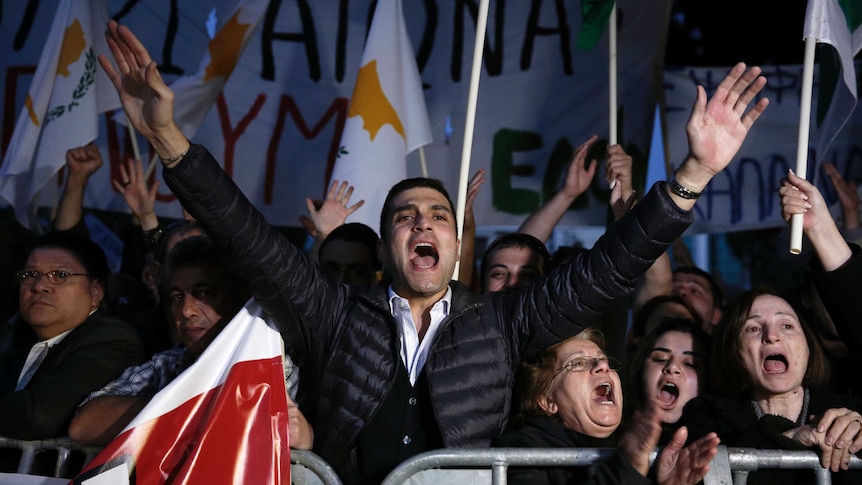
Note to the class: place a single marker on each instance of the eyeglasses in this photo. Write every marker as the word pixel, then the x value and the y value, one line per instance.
pixel 581 364
pixel 57 277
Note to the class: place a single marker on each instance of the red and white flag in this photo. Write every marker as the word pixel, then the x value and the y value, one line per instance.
pixel 223 420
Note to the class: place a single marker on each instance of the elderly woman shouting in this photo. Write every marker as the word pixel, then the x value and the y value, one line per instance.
pixel 773 375
pixel 571 397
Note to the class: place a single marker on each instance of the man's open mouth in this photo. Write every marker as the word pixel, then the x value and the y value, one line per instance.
pixel 425 256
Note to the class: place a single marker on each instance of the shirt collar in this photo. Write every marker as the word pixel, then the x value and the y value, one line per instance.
pixel 394 298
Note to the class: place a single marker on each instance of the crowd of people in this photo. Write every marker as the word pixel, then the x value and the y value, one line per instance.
pixel 388 353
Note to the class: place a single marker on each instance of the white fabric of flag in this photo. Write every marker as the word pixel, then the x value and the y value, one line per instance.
pixel 387 117
pixel 223 420
pixel 195 95
pixel 836 23
pixel 66 96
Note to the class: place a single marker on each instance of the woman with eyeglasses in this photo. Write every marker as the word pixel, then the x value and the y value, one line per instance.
pixel 570 396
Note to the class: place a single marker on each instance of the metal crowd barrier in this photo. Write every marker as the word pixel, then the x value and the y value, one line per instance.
pixel 63 446
pixel 307 468
pixel 730 466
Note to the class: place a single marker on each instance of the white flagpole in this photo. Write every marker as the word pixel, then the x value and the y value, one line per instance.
pixel 478 50
pixel 612 63
pixel 422 162
pixel 802 146
pixel 612 79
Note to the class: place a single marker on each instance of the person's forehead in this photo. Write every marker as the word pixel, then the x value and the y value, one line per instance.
pixel 54 257
pixel 420 197
pixel 769 304
pixel 576 347
pixel 520 254
pixel 675 341
pixel 692 278
pixel 192 275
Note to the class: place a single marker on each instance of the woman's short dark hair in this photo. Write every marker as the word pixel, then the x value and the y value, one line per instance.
pixel 731 376
pixel 701 342
pixel 88 253
pixel 537 374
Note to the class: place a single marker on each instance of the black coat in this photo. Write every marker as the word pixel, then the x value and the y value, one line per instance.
pixel 90 356
pixel 544 432
pixel 352 340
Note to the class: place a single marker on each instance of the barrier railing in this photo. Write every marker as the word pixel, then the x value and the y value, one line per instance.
pixel 307 468
pixel 731 465
pixel 63 446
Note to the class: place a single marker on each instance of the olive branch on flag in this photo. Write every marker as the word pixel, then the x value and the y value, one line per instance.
pixel 87 80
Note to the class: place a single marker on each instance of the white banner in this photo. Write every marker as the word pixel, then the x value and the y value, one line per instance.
pixel 277 127
pixel 745 195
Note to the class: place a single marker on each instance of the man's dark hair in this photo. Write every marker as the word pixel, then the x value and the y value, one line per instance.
pixel 717 294
pixel 199 250
pixel 515 240
pixel 354 232
pixel 88 253
pixel 180 226
pixel 407 184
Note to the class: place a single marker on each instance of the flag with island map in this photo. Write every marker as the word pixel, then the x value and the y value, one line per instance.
pixel 62 108
pixel 194 95
pixel 386 118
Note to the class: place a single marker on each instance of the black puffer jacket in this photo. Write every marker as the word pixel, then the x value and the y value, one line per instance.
pixel 352 340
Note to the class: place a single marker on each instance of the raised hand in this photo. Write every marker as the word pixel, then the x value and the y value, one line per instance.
pixel 798 196
pixel 618 169
pixel 472 191
pixel 579 176
pixel 717 128
pixel 84 160
pixel 847 195
pixel 148 102
pixel 326 215
pixel 618 174
pixel 676 465
pixel 140 198
pixel 641 437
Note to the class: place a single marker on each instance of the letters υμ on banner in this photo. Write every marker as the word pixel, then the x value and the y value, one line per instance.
pixel 386 119
pixel 61 111
pixel 224 419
